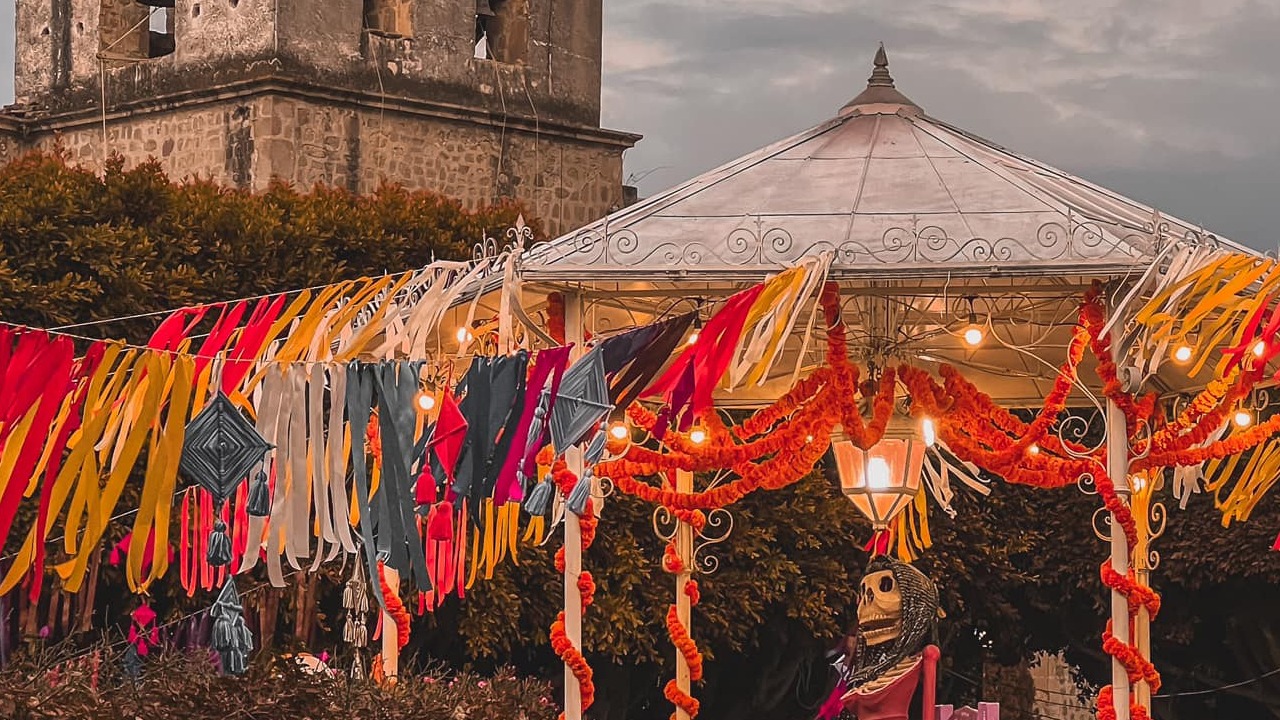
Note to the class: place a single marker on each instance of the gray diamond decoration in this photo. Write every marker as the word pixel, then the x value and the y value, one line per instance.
pixel 220 448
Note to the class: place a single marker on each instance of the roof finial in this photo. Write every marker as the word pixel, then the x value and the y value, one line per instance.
pixel 880 76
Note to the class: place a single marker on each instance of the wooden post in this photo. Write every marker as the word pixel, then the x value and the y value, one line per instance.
pixel 572 527
pixel 1118 470
pixel 390 633
pixel 684 548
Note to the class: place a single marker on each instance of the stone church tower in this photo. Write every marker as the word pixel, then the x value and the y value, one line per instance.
pixel 477 99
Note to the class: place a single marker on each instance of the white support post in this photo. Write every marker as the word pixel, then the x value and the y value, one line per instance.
pixel 1118 470
pixel 684 549
pixel 390 633
pixel 573 330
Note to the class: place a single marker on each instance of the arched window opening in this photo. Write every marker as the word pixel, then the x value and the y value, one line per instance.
pixel 136 29
pixel 502 30
pixel 388 18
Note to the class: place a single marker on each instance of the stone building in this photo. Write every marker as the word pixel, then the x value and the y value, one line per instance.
pixel 477 99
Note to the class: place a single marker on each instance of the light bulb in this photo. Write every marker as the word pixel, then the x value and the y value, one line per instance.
pixel 619 431
pixel 877 473
pixel 808 438
pixel 697 436
pixel 463 335
pixel 1182 354
pixel 693 338
pixel 1138 483
pixel 973 336
pixel 426 401
pixel 1243 418
pixel 928 431
pixel 1259 348
pixel 1034 449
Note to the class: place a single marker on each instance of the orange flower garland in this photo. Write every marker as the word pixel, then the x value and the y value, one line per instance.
pixel 572 656
pixel 395 608
pixel 680 636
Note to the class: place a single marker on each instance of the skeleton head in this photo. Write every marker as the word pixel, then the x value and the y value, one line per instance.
pixel 880 608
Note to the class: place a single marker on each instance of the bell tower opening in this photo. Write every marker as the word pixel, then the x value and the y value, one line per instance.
pixel 388 18
pixel 502 30
pixel 136 29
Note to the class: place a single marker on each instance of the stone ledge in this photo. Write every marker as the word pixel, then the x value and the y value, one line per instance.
pixel 289 87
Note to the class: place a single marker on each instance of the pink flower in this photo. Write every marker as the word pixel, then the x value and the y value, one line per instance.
pixel 483 684
pixel 543 701
pixel 429 679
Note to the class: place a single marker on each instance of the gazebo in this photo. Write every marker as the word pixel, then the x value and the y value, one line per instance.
pixel 947 249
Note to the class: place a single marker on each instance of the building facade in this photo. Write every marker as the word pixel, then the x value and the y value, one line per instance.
pixel 478 99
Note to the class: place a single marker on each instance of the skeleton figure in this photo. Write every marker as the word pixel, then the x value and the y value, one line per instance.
pixel 897 615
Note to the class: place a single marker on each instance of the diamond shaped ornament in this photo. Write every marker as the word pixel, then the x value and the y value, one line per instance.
pixel 220 448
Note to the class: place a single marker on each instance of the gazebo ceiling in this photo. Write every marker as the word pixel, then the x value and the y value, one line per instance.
pixel 890 192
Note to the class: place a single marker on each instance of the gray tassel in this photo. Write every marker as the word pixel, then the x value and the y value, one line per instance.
pixel 576 503
pixel 538 504
pixel 219 552
pixel 260 496
pixel 231 639
pixel 535 433
pixel 357 669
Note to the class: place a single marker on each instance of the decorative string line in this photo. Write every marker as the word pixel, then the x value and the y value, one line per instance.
pixel 1221 688
pixel 206 306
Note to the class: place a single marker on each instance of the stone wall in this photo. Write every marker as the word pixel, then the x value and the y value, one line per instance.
pixel 566 182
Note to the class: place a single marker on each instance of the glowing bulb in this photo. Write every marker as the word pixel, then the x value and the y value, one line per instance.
pixel 808 438
pixel 425 402
pixel 877 473
pixel 1182 354
pixel 1138 483
pixel 1243 418
pixel 693 338
pixel 927 429
pixel 463 335
pixel 619 431
pixel 1034 449
pixel 1259 348
pixel 697 436
pixel 973 336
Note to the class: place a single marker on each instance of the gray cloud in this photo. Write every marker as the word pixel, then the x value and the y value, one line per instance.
pixel 1171 102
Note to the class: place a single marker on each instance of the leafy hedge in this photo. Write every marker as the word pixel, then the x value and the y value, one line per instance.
pixel 186 687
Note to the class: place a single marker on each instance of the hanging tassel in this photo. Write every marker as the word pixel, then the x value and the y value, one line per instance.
pixel 425 493
pixel 260 496
pixel 231 639
pixel 538 503
pixel 219 552
pixel 440 522
pixel 576 503
pixel 132 663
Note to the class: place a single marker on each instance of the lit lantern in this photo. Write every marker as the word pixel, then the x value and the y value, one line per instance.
pixel 880 481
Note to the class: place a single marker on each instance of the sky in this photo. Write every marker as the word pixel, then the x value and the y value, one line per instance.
pixel 1172 102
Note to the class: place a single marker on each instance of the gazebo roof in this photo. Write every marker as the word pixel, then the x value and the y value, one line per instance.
pixel 881 185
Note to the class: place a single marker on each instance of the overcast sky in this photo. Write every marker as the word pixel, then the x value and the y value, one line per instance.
pixel 1173 102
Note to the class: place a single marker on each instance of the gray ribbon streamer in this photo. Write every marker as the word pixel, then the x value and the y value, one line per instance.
pixel 359 404
pixel 397 384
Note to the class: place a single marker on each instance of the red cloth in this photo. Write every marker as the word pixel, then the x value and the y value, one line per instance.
pixel 892 702
pixel 450 434
pixel 709 357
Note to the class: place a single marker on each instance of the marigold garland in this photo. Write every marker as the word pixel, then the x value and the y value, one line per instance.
pixel 572 656
pixel 680 636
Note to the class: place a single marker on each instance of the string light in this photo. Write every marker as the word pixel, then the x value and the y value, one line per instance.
pixel 1260 348
pixel 426 401
pixel 1243 418
pixel 973 334
pixel 808 438
pixel 1034 449
pixel 1182 354
pixel 697 436
pixel 693 338
pixel 619 431
pixel 464 335
pixel 928 431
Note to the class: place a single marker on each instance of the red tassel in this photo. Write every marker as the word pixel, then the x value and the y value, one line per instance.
pixel 426 493
pixel 879 543
pixel 440 522
pixel 1276 545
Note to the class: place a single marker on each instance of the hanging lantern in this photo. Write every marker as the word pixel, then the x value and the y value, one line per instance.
pixel 880 481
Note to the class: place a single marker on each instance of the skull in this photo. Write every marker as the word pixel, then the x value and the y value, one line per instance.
pixel 880 608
